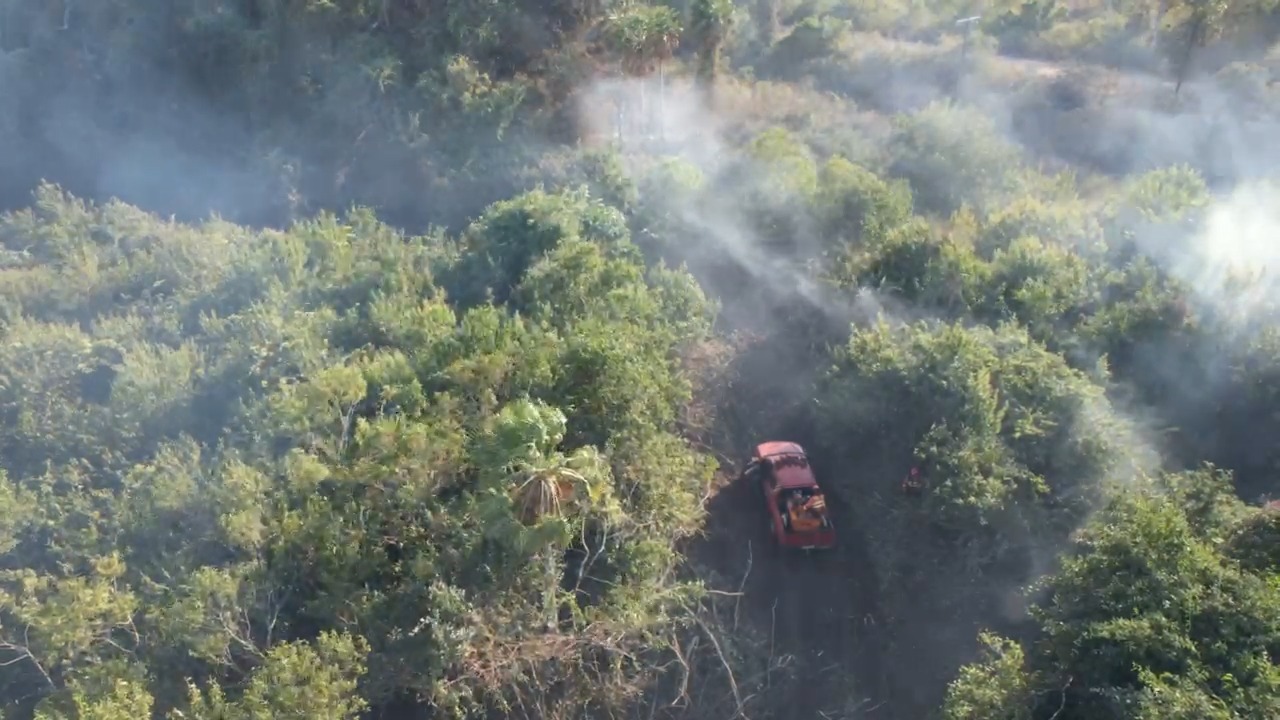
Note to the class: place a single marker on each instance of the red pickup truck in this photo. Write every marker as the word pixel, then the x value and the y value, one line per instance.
pixel 795 503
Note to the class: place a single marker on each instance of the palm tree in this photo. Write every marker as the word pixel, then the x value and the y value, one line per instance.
pixel 644 36
pixel 543 483
pixel 663 38
pixel 549 486
pixel 711 21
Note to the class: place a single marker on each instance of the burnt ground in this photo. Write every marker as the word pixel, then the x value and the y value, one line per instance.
pixel 819 614
pixel 818 611
pixel 857 633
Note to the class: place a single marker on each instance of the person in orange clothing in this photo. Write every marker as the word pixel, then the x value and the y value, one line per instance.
pixel 804 515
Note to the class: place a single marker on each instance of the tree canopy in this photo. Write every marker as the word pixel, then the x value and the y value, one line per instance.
pixel 401 359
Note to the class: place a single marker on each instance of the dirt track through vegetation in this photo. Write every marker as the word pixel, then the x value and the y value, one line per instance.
pixel 819 610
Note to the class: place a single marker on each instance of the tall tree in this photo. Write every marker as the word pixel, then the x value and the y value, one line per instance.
pixel 767 23
pixel 710 22
pixel 644 37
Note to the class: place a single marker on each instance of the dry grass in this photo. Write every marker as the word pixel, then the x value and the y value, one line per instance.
pixel 774 102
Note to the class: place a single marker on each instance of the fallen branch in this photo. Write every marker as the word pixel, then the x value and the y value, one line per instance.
pixel 23 652
pixel 742 586
pixel 1063 705
pixel 728 669
pixel 684 680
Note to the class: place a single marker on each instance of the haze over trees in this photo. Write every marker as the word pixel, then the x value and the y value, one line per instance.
pixel 397 359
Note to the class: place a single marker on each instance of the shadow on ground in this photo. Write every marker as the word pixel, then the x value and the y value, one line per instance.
pixel 819 611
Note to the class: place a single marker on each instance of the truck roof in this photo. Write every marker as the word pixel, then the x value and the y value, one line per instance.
pixel 794 470
pixel 795 476
pixel 778 447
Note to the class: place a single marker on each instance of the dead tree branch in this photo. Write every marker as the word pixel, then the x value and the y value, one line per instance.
pixel 742 586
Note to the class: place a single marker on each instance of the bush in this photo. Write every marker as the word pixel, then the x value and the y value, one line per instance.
pixel 1069 224
pixel 1101 38
pixel 855 205
pixel 814 38
pixel 1145 620
pixel 952 156
pixel 1016 29
pixel 1248 84
pixel 1002 427
pixel 249 473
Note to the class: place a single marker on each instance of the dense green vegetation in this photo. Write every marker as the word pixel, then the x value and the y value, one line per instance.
pixel 385 359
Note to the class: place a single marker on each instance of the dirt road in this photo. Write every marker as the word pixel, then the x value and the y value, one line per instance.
pixel 819 611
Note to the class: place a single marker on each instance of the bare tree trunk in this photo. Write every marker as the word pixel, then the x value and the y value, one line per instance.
pixel 1193 39
pixel 767 20
pixel 620 116
pixel 644 105
pixel 662 101
pixel 549 592
pixel 1156 18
